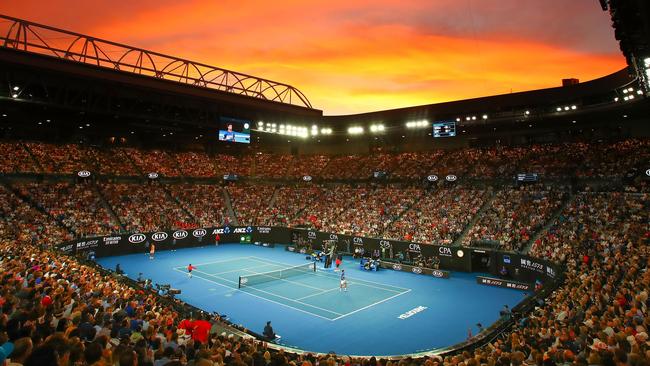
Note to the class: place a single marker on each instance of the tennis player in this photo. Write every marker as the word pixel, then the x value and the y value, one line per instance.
pixel 344 282
pixel 152 251
pixel 189 270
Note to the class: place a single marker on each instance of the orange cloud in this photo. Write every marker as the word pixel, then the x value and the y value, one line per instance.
pixel 361 55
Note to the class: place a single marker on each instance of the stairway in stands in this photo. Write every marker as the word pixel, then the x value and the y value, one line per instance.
pixel 108 207
pixel 488 202
pixel 231 211
pixel 550 222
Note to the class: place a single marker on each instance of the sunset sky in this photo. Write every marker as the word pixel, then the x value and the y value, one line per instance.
pixel 352 56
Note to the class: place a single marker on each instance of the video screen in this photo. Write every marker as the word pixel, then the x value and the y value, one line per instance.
pixel 444 129
pixel 233 130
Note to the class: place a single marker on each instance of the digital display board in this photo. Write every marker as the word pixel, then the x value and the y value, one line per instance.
pixel 527 177
pixel 444 129
pixel 233 130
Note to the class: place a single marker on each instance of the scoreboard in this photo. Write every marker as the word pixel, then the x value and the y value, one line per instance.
pixel 444 129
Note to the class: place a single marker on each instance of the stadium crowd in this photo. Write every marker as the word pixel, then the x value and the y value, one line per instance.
pixel 57 310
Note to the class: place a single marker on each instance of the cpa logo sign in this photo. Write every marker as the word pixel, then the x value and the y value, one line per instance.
pixel 417 270
pixel 180 234
pixel 414 247
pixel 311 234
pixel 137 238
pixel 437 273
pixel 152 175
pixel 451 178
pixel 397 267
pixel 159 236
pixel 83 174
pixel 198 233
pixel 334 237
pixel 357 240
pixel 384 244
pixel 432 178
pixel 444 251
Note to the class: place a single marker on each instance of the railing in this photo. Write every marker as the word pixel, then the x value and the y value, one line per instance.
pixel 19 34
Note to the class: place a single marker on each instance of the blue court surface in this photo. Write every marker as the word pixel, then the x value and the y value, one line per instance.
pixel 383 313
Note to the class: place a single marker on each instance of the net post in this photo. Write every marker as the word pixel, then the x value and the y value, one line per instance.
pixel 239 282
pixel 314 266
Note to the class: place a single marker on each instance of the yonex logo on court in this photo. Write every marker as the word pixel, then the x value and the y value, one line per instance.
pixel 180 234
pixel 137 238
pixel 159 236
pixel 412 312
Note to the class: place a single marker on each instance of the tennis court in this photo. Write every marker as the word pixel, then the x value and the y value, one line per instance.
pixel 298 287
pixel 383 313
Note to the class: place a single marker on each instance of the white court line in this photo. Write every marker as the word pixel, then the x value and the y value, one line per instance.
pixel 320 293
pixel 289 281
pixel 259 297
pixel 270 293
pixel 371 305
pixel 357 281
pixel 213 262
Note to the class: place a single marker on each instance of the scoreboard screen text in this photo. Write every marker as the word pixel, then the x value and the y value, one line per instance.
pixel 444 129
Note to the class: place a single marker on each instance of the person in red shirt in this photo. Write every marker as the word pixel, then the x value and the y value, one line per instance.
pixel 201 329
pixel 187 325
pixel 189 270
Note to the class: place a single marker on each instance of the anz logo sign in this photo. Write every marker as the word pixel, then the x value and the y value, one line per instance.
pixel 137 238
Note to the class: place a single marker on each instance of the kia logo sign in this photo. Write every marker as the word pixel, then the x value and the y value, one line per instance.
pixel 137 238
pixel 83 174
pixel 307 178
pixel 460 253
pixel 437 273
pixel 152 175
pixel 397 267
pixel 385 244
pixel 647 172
pixel 451 178
pixel 432 178
pixel 180 234
pixel 243 280
pixel 417 270
pixel 198 233
pixel 159 236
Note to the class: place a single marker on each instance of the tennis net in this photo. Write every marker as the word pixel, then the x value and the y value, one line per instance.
pixel 257 278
